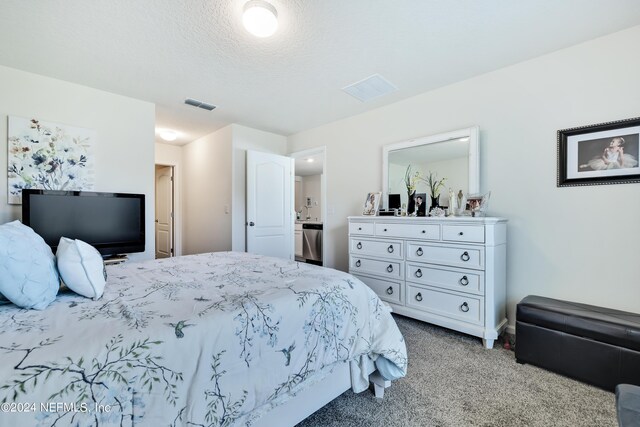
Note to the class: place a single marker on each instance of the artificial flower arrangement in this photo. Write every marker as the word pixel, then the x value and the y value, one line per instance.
pixel 435 184
pixel 411 180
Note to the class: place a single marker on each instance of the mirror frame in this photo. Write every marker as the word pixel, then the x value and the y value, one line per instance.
pixel 473 133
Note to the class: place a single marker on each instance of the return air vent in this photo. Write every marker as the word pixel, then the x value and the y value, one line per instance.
pixel 370 88
pixel 199 104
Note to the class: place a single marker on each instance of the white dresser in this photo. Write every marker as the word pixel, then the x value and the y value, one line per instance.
pixel 445 271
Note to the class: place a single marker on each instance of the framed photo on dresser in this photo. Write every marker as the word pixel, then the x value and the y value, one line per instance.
pixel 372 203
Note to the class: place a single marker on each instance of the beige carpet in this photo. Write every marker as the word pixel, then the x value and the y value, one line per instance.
pixel 453 381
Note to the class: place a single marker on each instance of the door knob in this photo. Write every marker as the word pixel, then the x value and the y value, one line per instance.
pixel 251 224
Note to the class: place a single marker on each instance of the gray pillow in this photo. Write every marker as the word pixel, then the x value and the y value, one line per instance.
pixel 28 274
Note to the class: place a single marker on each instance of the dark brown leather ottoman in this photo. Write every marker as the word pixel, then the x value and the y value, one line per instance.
pixel 599 346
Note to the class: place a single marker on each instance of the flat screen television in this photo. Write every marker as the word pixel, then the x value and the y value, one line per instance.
pixel 111 222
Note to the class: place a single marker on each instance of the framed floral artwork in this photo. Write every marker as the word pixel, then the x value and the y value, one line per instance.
pixel 606 153
pixel 48 156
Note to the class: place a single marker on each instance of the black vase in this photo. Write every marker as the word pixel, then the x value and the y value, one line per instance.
pixel 434 203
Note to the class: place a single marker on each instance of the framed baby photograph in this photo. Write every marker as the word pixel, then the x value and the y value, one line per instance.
pixel 605 153
pixel 372 203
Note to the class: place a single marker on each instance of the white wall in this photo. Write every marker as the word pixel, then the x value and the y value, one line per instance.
pixel 298 202
pixel 206 191
pixel 579 243
pixel 171 155
pixel 124 152
pixel 245 138
pixel 311 186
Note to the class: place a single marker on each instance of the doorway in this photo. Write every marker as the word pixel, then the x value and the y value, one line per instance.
pixel 310 205
pixel 164 211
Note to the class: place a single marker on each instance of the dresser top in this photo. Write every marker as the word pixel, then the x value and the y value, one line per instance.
pixel 429 219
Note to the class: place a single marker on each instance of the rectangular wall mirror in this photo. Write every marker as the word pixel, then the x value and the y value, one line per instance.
pixel 452 155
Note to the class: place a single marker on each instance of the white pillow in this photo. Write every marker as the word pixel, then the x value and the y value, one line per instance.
pixel 28 275
pixel 81 267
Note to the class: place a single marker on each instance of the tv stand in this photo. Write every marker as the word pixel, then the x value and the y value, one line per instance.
pixel 115 259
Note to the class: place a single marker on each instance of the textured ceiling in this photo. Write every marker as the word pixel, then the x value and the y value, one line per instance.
pixel 166 50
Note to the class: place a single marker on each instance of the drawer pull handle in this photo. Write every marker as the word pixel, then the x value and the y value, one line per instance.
pixel 464 307
pixel 390 268
pixel 385 229
pixel 358 263
pixel 419 252
pixel 390 290
pixel 359 228
pixel 418 273
pixel 390 249
pixel 424 231
pixel 464 281
pixel 461 234
pixel 418 296
pixel 465 256
pixel 359 245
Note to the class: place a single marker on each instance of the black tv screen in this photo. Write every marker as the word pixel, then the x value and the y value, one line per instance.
pixel 111 222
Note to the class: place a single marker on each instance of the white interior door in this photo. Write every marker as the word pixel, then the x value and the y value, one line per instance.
pixel 269 205
pixel 164 212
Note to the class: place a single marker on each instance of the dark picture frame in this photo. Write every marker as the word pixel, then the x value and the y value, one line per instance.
pixel 600 154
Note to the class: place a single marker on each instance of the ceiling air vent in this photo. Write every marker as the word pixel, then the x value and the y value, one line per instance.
pixel 199 104
pixel 370 88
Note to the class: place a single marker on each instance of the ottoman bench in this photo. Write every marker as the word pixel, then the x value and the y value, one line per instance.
pixel 596 345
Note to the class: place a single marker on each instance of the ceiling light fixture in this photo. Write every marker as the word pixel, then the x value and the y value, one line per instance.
pixel 168 135
pixel 260 18
pixel 309 160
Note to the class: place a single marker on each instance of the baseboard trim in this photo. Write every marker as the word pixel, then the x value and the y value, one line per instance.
pixel 511 330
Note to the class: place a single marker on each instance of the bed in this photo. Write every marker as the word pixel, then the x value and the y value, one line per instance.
pixel 215 339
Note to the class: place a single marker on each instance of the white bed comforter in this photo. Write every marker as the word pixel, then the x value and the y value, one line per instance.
pixel 208 340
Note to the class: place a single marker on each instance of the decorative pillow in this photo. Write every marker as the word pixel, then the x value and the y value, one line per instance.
pixel 81 267
pixel 28 275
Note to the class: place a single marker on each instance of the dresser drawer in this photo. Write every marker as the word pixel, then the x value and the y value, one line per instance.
pixel 387 290
pixel 389 269
pixel 365 228
pixel 463 233
pixel 456 256
pixel 378 248
pixel 409 231
pixel 455 279
pixel 468 308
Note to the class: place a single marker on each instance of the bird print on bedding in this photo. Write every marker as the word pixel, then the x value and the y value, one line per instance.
pixel 194 340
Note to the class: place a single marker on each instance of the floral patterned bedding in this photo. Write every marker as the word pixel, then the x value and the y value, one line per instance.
pixel 209 340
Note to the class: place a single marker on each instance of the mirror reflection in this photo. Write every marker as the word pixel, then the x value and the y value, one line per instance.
pixel 420 173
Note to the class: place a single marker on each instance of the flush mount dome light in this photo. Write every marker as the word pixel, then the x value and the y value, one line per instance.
pixel 168 135
pixel 309 160
pixel 260 18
